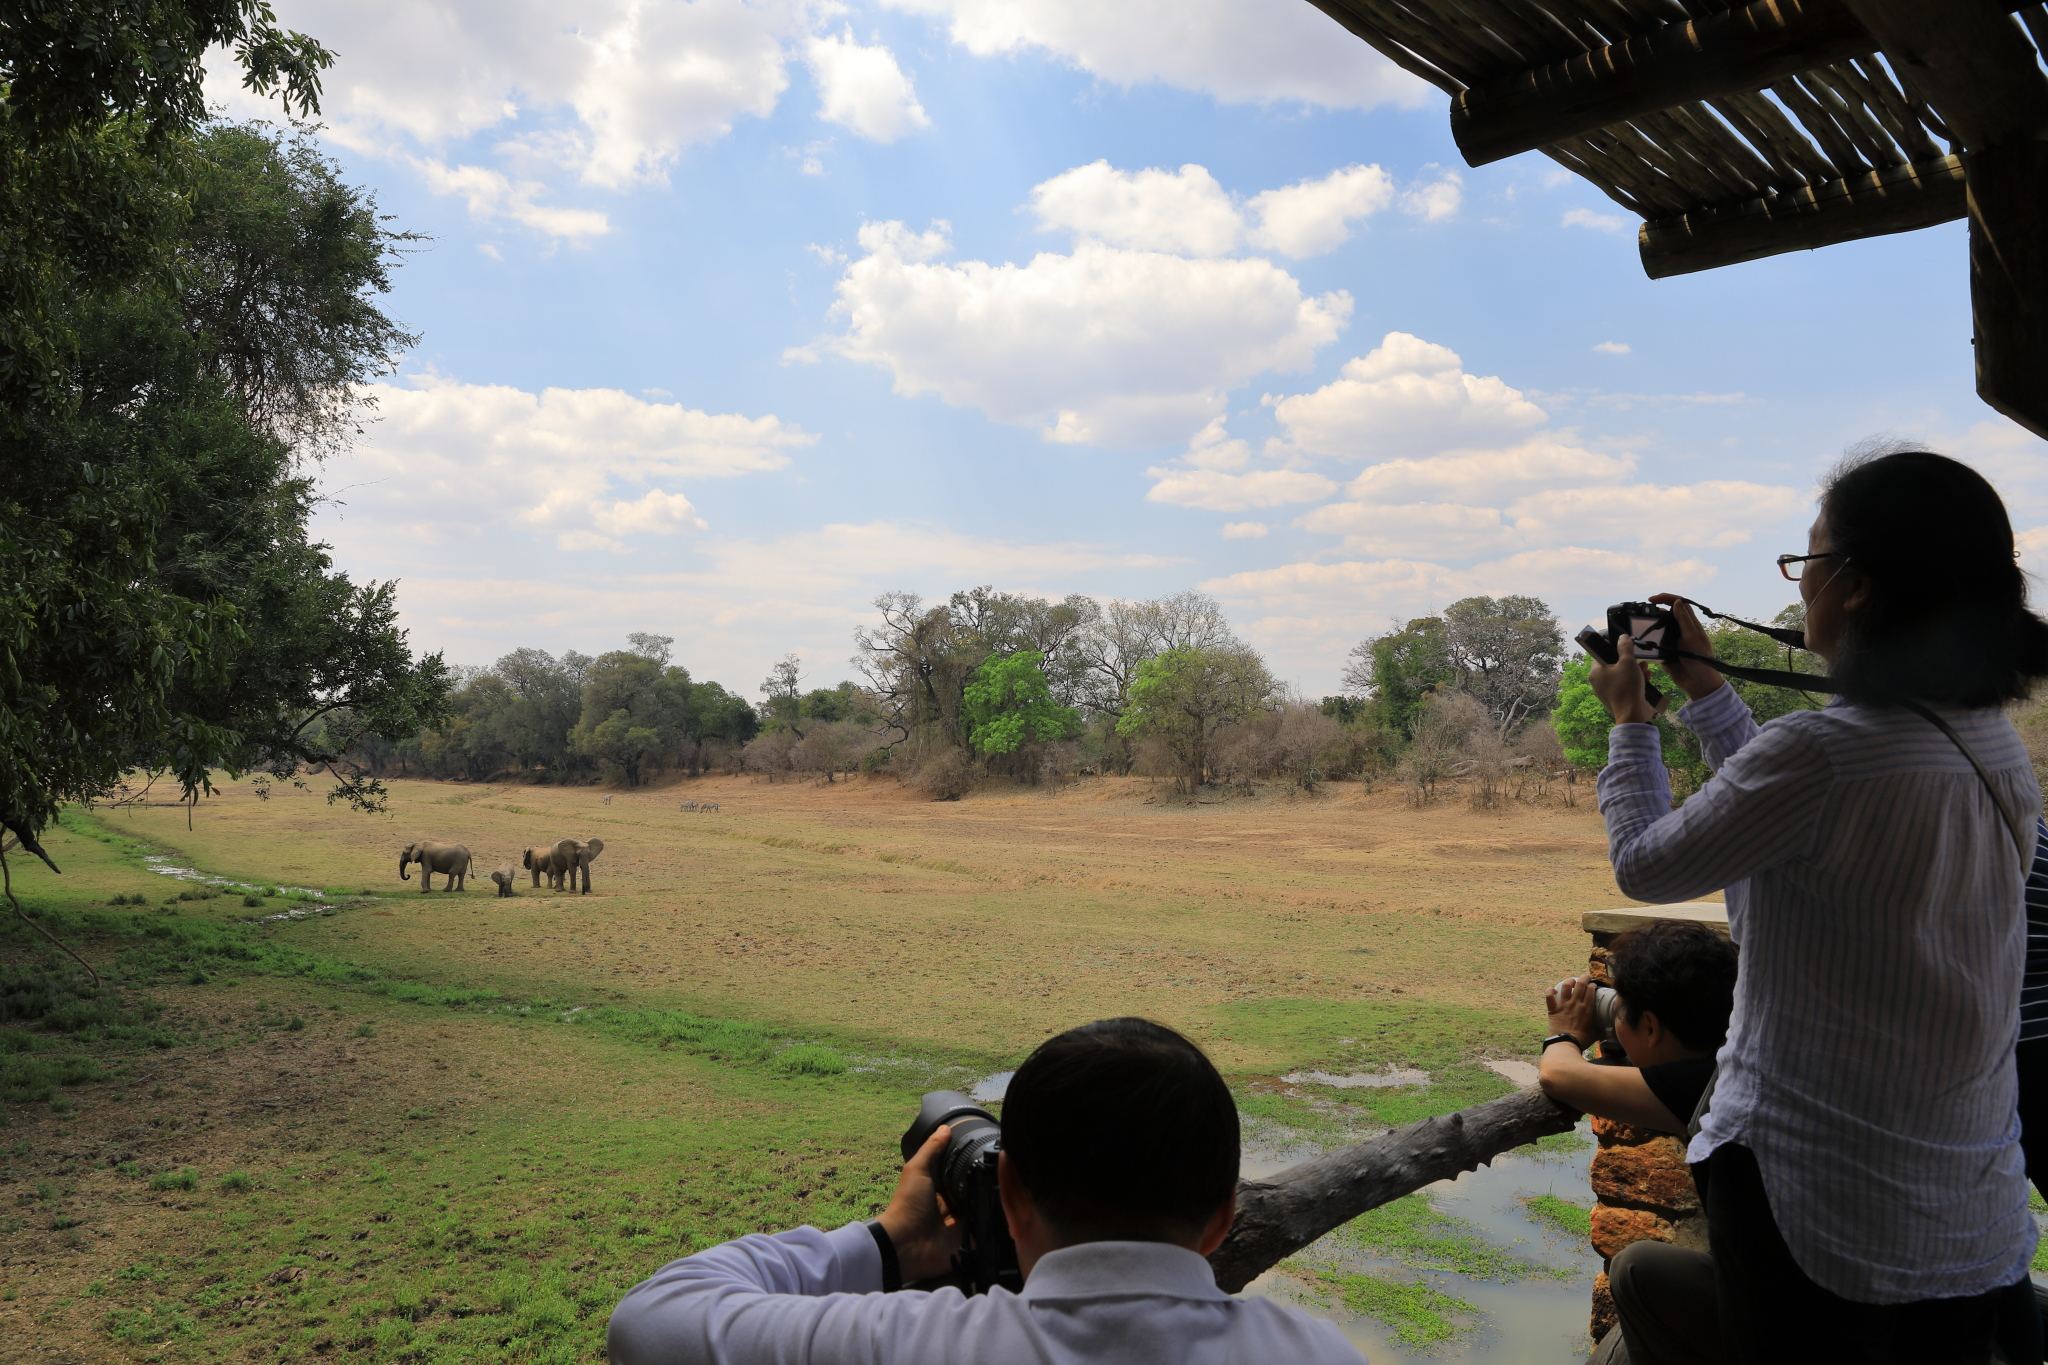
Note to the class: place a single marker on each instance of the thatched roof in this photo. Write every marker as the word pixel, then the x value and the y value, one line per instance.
pixel 1740 131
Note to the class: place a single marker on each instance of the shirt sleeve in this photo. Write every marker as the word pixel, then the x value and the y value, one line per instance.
pixel 1723 723
pixel 788 1297
pixel 1758 811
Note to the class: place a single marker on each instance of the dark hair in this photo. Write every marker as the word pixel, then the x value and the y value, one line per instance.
pixel 1946 617
pixel 1122 1131
pixel 1682 972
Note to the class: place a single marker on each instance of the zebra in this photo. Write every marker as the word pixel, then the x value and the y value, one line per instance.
pixel 607 800
pixel 708 807
pixel 689 805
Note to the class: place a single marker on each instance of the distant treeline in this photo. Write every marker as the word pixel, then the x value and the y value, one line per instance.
pixel 989 683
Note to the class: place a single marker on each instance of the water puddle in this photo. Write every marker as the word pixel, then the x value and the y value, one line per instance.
pixel 1393 1075
pixel 164 867
pixel 1536 1321
pixel 991 1088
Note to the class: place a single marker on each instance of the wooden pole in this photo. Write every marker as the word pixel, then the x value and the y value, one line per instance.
pixel 2009 279
pixel 1735 50
pixel 1280 1216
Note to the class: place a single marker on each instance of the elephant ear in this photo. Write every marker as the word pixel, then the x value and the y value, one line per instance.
pixel 592 848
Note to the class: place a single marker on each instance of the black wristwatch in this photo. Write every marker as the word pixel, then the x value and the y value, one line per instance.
pixel 892 1269
pixel 1561 1038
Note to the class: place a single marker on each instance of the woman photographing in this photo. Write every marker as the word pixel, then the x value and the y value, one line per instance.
pixel 1859 1163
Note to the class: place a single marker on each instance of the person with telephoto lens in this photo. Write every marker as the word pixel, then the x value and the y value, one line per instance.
pixel 1117 1175
pixel 1673 988
pixel 1859 1160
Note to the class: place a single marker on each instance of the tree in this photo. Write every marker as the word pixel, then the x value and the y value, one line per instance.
pixel 783 690
pixel 633 709
pixel 1504 652
pixel 1400 668
pixel 1185 695
pixel 163 608
pixel 100 97
pixel 1009 704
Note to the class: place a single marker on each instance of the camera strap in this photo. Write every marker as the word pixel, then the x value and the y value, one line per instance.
pixel 2023 839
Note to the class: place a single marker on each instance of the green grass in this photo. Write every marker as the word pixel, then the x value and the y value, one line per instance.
pixel 1415 1232
pixel 1574 1220
pixel 1421 1315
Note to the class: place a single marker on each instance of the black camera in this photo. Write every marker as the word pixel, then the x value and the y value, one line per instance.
pixel 1651 626
pixel 966 1176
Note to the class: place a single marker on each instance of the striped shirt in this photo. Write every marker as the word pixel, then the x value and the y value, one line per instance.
pixel 2034 989
pixel 1877 899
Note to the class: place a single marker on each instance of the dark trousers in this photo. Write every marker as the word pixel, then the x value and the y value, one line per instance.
pixel 1670 1311
pixel 1772 1312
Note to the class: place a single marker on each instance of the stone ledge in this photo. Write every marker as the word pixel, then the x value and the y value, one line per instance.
pixel 1604 924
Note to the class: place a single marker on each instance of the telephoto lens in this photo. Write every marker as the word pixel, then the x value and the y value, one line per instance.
pixel 965 1174
pixel 1605 1004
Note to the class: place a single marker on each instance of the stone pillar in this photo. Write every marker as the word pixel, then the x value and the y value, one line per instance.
pixel 1642 1186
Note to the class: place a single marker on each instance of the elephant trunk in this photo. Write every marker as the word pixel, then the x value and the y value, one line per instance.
pixel 404 859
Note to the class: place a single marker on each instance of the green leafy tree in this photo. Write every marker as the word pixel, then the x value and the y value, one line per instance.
pixel 1401 668
pixel 1184 696
pixel 1009 703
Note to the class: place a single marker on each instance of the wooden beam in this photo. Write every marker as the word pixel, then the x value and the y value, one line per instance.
pixel 1895 199
pixel 1728 52
pixel 1969 60
pixel 1280 1216
pixel 2009 279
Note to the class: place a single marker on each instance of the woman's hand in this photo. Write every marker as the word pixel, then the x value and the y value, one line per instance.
pixel 1570 1006
pixel 1696 680
pixel 1623 686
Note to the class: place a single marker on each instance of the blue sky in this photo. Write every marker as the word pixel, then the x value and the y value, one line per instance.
pixel 738 315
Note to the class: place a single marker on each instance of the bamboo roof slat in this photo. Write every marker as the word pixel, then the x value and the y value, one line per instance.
pixel 1891 105
pixel 1704 124
pixel 2035 17
pixel 1853 118
pixel 1383 37
pixel 1647 14
pixel 1442 49
pixel 1711 160
pixel 1625 168
pixel 1784 146
pixel 1614 23
pixel 1695 183
pixel 1582 19
pixel 1834 143
pixel 1537 36
pixel 1495 52
pixel 1567 155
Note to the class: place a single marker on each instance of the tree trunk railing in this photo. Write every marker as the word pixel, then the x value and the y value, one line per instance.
pixel 1279 1216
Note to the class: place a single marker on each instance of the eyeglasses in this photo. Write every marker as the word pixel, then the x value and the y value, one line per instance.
pixel 1794 565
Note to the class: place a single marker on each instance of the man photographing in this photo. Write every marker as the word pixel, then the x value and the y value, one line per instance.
pixel 1118 1176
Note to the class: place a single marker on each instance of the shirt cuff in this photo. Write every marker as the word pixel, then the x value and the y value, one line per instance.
pixel 1635 739
pixel 1719 707
pixel 856 1260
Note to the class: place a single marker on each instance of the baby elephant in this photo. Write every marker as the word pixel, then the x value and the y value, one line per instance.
pixel 504 876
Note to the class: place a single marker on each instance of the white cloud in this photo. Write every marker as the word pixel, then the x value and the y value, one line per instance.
pixel 1601 222
pixel 1315 216
pixel 1105 346
pixel 1245 530
pixel 446 456
pixel 1214 491
pixel 1714 514
pixel 863 88
pixel 1186 213
pixel 1406 396
pixel 492 195
pixel 1434 530
pixel 1476 476
pixel 1613 347
pixel 1437 199
pixel 1236 50
pixel 2032 544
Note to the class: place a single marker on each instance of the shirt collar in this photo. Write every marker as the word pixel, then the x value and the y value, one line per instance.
pixel 1101 1270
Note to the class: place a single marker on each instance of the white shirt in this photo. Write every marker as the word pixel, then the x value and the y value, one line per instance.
pixel 1877 898
pixel 814 1298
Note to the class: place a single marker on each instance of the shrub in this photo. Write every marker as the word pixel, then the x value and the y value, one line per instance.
pixel 174 1180
pixel 366 1030
pixel 235 1180
pixel 809 1059
pixel 252 902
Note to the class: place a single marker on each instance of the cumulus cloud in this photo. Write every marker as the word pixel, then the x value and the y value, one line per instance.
pixel 1474 476
pixel 1215 491
pixel 1407 396
pixel 1188 213
pixel 1440 530
pixel 1245 530
pixel 1599 222
pixel 1436 199
pixel 1612 347
pixel 1184 212
pixel 1107 346
pixel 492 195
pixel 1236 50
pixel 446 456
pixel 863 88
pixel 1710 515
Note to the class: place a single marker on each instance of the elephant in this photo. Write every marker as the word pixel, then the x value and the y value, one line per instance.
pixel 562 860
pixel 451 859
pixel 504 876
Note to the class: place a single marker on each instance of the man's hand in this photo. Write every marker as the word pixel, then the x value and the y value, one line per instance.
pixel 1570 1006
pixel 1623 686
pixel 1693 679
pixel 916 1220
